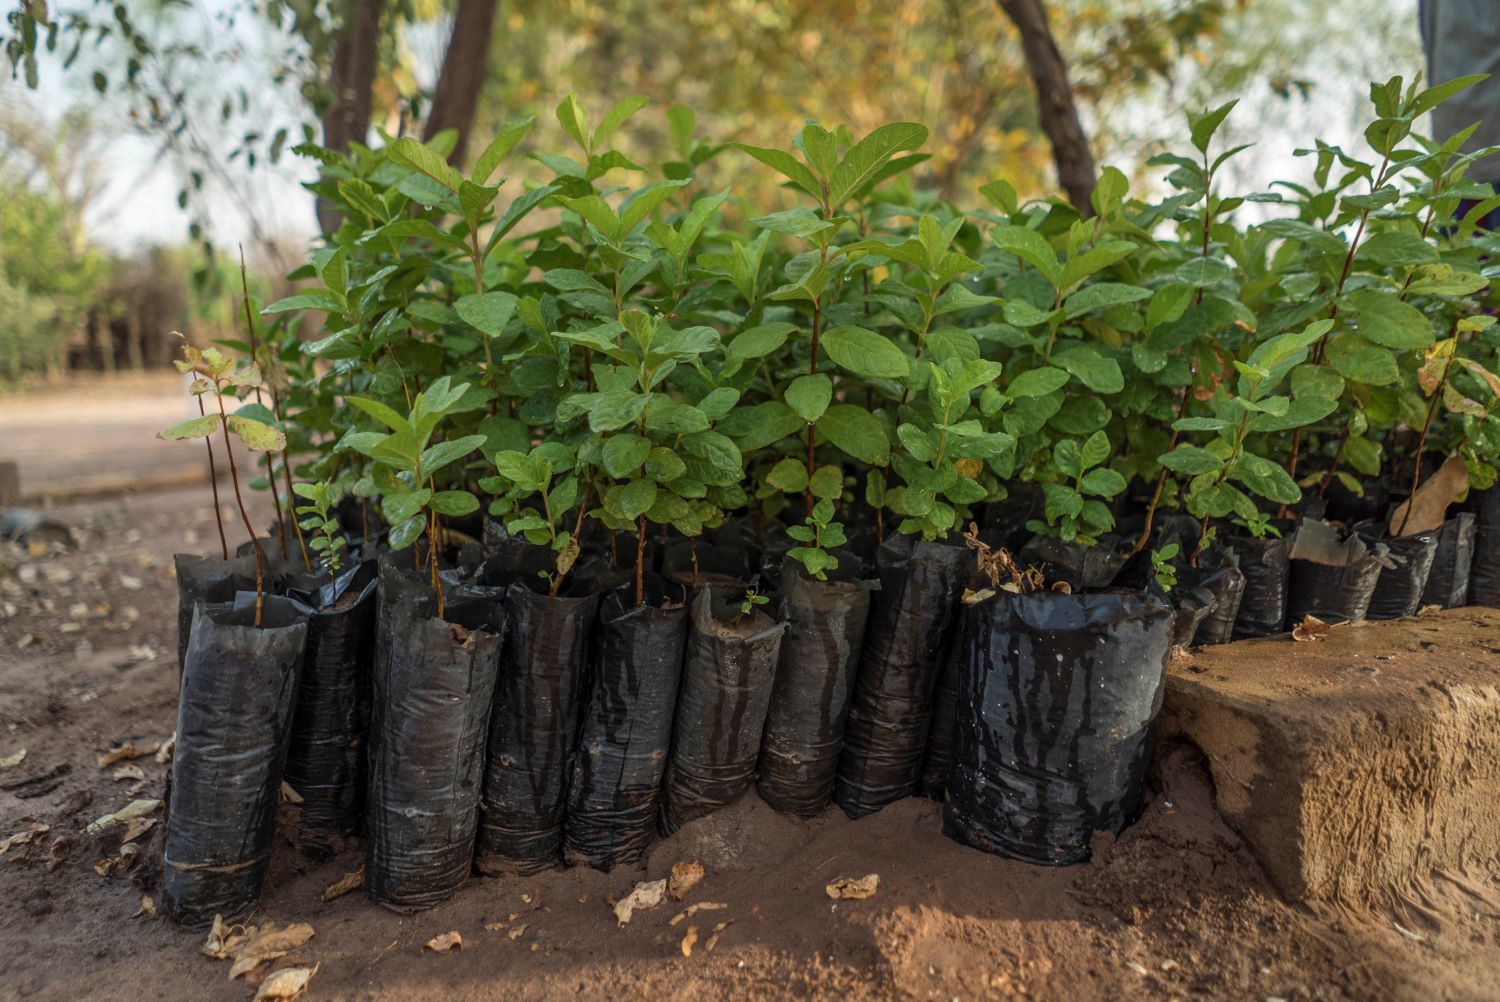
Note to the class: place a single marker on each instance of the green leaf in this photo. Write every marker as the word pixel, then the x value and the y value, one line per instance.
pixel 635 498
pixel 488 312
pixel 257 437
pixel 665 414
pixel 1102 482
pixel 1386 320
pixel 757 342
pixel 624 454
pixel 574 122
pixel 786 165
pixel 808 396
pixel 405 533
pixel 380 412
pixel 1204 126
pixel 403 506
pixel 1363 362
pixel 865 353
pixel 857 432
pixel 1266 479
pixel 789 475
pixel 867 156
pixel 1101 295
pixel 1094 451
pixel 826 482
pixel 499 147
pixel 440 455
pixel 411 153
pixel 1031 247
pixel 641 204
pixel 618 116
pixel 1191 461
pixel 198 427
pixel 615 409
pixel 315 299
pixel 1098 373
pixel 1037 382
pixel 454 503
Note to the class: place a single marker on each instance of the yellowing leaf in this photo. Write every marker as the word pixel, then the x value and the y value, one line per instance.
pixel 853 888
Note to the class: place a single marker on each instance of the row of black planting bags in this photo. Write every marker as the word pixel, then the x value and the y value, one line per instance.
pixel 522 730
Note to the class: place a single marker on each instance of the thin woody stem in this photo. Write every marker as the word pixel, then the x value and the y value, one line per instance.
pixel 213 483
pixel 234 478
pixel 270 457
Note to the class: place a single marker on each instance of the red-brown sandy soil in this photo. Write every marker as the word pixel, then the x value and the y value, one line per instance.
pixel 1176 907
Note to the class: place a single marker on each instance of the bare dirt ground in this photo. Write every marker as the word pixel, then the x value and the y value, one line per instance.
pixel 1175 908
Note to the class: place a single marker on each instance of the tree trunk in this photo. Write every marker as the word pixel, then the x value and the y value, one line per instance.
pixel 355 56
pixel 1055 105
pixel 462 76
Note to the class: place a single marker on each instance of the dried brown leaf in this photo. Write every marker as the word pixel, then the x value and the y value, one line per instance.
pixel 286 984
pixel 289 795
pixel 147 908
pixel 853 888
pixel 223 940
pixel 518 931
pixel 126 751
pixel 268 943
pixel 647 894
pixel 689 940
pixel 348 882
pixel 1310 629
pixel 684 877
pixel 129 773
pixel 25 836
pixel 13 760
pixel 701 906
pixel 445 943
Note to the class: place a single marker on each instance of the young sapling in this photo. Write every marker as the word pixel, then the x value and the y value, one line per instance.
pixel 317 517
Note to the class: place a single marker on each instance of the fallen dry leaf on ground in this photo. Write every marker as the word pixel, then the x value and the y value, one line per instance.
pixel 134 809
pixel 127 856
pixel 136 827
pixel 128 773
pixel 702 906
pixel 348 882
pixel 1311 628
pixel 647 894
pixel 11 761
pixel 518 931
pixel 24 837
pixel 147 908
pixel 713 939
pixel 121 753
pixel 223 939
pixel 446 942
pixel 268 943
pixel 164 753
pixel 853 888
pixel 684 877
pixel 689 940
pixel 287 983
pixel 289 795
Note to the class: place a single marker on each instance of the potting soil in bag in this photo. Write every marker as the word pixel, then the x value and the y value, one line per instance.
pixel 721 708
pixel 1448 582
pixel 209 581
pixel 614 789
pixel 1082 567
pixel 1218 572
pixel 434 680
pixel 534 728
pixel 325 761
pixel 1055 718
pixel 1398 591
pixel 233 719
pixel 1266 563
pixel 910 618
pixel 1333 574
pixel 809 704
pixel 1484 569
pixel 938 758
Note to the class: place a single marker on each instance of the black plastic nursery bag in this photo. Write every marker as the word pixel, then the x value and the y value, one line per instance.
pixel 1448 583
pixel 938 758
pixel 1484 569
pixel 233 719
pixel 1333 574
pixel 434 680
pixel 1059 696
pixel 1266 564
pixel 534 728
pixel 210 581
pixel 721 708
pixel 1219 574
pixel 809 706
pixel 1398 591
pixel 325 761
pixel 614 789
pixel 910 619
pixel 1082 567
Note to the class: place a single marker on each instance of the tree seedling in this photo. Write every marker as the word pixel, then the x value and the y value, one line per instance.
pixel 407 462
pixel 753 600
pixel 328 540
pixel 1162 568
pixel 214 373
